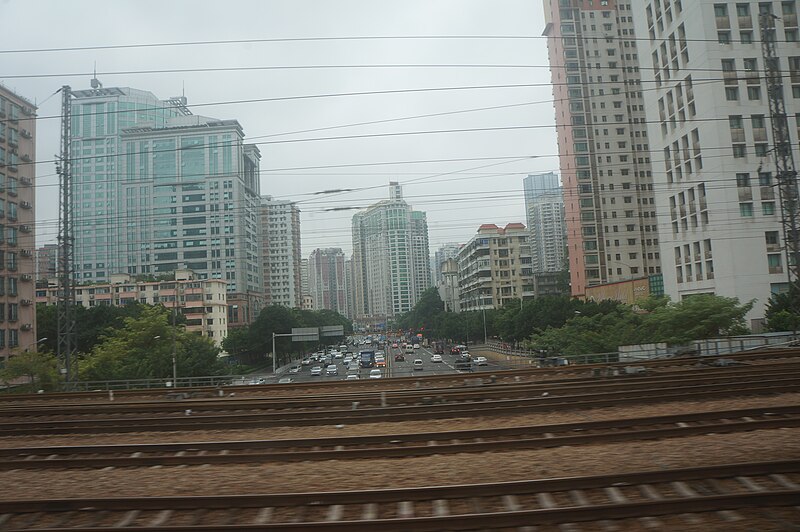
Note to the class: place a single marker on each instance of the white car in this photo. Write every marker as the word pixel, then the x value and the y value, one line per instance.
pixel 418 364
pixel 332 370
pixel 436 358
pixel 375 374
pixel 316 371
pixel 416 346
pixel 352 377
pixel 481 361
pixel 286 380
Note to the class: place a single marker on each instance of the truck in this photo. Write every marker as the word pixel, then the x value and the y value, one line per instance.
pixel 366 359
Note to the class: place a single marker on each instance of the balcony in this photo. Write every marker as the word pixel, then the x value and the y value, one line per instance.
pixel 767 193
pixel 776 269
pixel 745 194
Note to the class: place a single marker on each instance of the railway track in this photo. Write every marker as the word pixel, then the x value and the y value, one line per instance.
pixel 398 445
pixel 547 402
pixel 762 357
pixel 767 493
pixel 479 393
pixel 567 399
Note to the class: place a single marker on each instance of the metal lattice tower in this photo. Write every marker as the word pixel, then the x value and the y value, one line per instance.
pixel 784 159
pixel 67 340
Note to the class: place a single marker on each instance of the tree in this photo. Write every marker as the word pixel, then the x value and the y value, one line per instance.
pixel 783 310
pixel 39 369
pixel 143 349
pixel 699 317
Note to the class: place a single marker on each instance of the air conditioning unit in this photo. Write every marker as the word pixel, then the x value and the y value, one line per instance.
pixel 25 228
pixel 27 111
pixel 26 253
pixel 26 181
pixel 25 204
pixel 24 133
pixel 25 302
pixel 25 327
pixel 25 158
pixel 26 277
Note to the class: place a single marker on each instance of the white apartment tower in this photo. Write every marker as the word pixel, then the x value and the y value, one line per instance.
pixel 544 205
pixel 716 194
pixel 604 151
pixel 391 266
pixel 281 260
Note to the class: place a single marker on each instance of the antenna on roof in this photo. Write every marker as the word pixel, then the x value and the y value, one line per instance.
pixel 96 82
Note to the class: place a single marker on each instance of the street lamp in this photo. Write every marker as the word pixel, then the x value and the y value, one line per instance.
pixel 174 365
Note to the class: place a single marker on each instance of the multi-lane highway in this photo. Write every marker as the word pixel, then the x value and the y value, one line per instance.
pixel 393 368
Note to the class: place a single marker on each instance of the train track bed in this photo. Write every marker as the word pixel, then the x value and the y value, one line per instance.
pixel 585 371
pixel 399 445
pixel 496 399
pixel 762 493
pixel 404 427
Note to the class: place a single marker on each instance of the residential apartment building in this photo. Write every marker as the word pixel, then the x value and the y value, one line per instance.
pixel 440 256
pixel 494 267
pixel 391 265
pixel 46 261
pixel 281 259
pixel 158 189
pixel 716 194
pixel 604 151
pixel 544 206
pixel 202 301
pixel 326 279
pixel 17 235
pixel 304 277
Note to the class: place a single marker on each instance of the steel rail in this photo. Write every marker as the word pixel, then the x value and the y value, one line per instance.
pixel 313 417
pixel 480 393
pixel 514 515
pixel 400 445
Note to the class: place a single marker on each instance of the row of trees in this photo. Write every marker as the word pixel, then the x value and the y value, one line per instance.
pixel 138 342
pixel 559 324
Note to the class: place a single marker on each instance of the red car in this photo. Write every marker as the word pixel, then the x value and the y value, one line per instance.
pixel 399 357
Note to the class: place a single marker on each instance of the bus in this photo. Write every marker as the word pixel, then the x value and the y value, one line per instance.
pixel 367 359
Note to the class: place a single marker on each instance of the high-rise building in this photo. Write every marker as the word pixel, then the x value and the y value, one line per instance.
pixel 348 287
pixel 304 277
pixel 494 267
pixel 281 262
pixel 158 189
pixel 326 279
pixel 604 150
pixel 544 205
pixel 17 235
pixel 445 252
pixel 47 262
pixel 391 265
pixel 715 182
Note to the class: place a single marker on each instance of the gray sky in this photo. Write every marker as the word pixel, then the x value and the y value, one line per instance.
pixel 457 196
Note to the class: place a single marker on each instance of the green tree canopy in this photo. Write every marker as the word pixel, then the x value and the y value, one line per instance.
pixel 143 347
pixel 38 369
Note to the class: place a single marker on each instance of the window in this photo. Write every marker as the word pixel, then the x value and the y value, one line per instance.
pixel 732 94
pixel 724 37
pixel 742 180
pixel 767 208
pixel 772 238
pixel 765 179
pixel 720 10
pixel 746 210
pixel 746 37
pixel 753 93
pixel 742 10
pixel 739 151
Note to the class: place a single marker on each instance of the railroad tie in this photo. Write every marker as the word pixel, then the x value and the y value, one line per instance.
pixel 616 496
pixel 727 515
pixel 750 484
pixel 440 508
pixel 264 516
pixel 129 517
pixel 785 482
pixel 4 518
pixel 335 512
pixel 405 509
pixel 137 454
pixel 162 518
pixel 512 503
pixel 686 491
pixel 546 500
pixel 370 511
pixel 579 497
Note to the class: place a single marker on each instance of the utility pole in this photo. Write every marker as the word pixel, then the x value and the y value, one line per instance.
pixel 67 341
pixel 784 160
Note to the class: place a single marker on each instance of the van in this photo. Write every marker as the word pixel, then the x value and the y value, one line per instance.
pixel 418 364
pixel 409 349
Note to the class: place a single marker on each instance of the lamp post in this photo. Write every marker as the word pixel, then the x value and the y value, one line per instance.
pixel 174 366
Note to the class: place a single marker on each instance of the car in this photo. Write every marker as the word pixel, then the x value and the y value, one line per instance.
pixel 394 345
pixel 375 374
pixel 463 365
pixel 337 354
pixel 332 370
pixel 316 370
pixel 305 361
pixel 380 362
pixel 399 357
pixel 436 358
pixel 352 377
pixel 418 364
pixel 286 380
pixel 416 346
pixel 455 350
pixel 481 361
pixel 294 369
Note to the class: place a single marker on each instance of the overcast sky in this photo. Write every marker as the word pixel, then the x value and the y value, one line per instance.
pixel 457 195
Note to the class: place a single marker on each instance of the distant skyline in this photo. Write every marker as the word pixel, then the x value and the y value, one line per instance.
pixel 482 177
